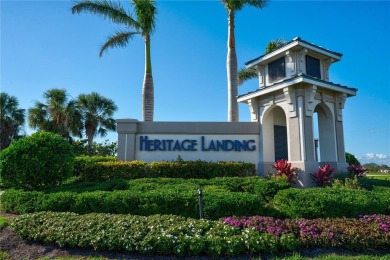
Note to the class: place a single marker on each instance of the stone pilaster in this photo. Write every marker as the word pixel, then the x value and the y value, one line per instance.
pixel 126 128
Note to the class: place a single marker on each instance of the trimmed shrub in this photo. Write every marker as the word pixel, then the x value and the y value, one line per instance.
pixel 102 171
pixel 79 187
pixel 328 202
pixel 265 188
pixel 39 160
pixel 81 162
pixel 177 169
pixel 159 234
pixel 162 201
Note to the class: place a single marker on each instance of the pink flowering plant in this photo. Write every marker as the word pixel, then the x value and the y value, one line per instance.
pixel 323 176
pixel 366 232
pixel 283 168
pixel 357 170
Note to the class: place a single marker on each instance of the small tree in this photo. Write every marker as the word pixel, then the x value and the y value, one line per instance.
pixel 106 148
pixel 36 161
pixel 97 114
pixel 59 114
pixel 351 159
pixel 11 120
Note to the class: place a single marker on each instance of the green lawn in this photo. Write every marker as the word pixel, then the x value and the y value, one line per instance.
pixel 379 176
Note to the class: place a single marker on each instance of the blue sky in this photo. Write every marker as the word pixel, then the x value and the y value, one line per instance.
pixel 44 46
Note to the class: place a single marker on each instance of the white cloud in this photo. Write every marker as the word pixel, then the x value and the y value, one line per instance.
pixel 378 158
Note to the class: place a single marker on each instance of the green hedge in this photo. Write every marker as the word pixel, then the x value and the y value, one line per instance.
pixel 222 197
pixel 216 204
pixel 166 235
pixel 266 188
pixel 101 171
pixel 81 163
pixel 329 202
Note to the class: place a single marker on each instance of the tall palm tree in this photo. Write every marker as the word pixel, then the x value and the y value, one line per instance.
pixel 11 119
pixel 59 115
pixel 233 6
pixel 245 74
pixel 143 24
pixel 97 116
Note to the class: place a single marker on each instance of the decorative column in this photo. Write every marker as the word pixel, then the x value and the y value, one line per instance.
pixel 339 106
pixel 292 120
pixel 326 65
pixel 126 129
pixel 254 109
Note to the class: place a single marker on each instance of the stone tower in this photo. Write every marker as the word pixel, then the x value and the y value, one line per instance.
pixel 293 85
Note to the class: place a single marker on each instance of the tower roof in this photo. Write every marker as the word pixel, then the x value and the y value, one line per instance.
pixel 300 78
pixel 295 44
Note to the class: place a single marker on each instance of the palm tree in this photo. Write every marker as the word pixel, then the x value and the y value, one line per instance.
pixel 97 116
pixel 144 24
pixel 275 44
pixel 245 74
pixel 59 115
pixel 233 6
pixel 11 119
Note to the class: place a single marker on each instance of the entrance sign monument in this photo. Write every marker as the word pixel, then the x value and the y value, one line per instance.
pixel 293 85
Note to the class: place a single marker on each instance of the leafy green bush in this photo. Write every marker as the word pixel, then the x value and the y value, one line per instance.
pixel 328 202
pixel 41 159
pixel 102 171
pixel 81 162
pixel 266 188
pixel 177 169
pixel 158 234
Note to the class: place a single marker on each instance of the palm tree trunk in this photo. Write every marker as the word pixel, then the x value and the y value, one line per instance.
pixel 89 132
pixel 90 142
pixel 231 66
pixel 148 88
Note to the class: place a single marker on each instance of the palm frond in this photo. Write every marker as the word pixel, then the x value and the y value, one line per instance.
pixel 245 75
pixel 146 11
pixel 113 11
pixel 119 39
pixel 258 3
pixel 275 44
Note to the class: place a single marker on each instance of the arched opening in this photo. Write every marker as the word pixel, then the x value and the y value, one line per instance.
pixel 274 131
pixel 324 134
